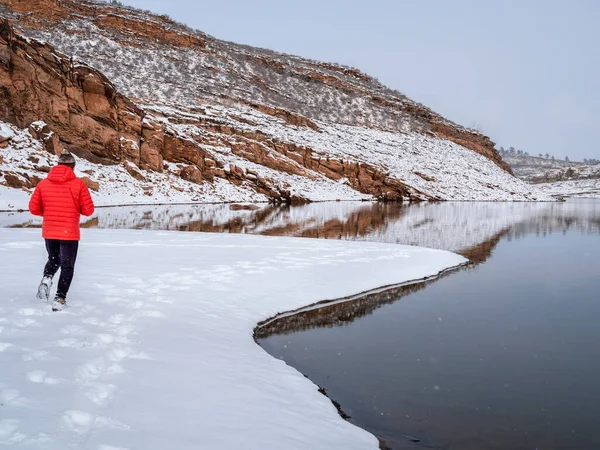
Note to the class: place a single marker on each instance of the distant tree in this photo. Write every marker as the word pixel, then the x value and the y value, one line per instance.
pixel 567 159
pixel 547 156
pixel 553 158
pixel 540 155
pixel 585 160
pixel 511 150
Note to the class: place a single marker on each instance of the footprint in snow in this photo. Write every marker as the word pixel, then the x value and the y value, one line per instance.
pixel 100 394
pixel 9 434
pixel 25 322
pixel 117 319
pixel 113 299
pixel 119 354
pixel 153 314
pixel 11 397
pixel 78 421
pixel 138 304
pixel 37 355
pixel 94 321
pixel 4 346
pixel 72 329
pixel 39 376
pixel 123 330
pixel 82 422
pixel 74 343
pixel 99 286
pixel 91 370
pixel 30 312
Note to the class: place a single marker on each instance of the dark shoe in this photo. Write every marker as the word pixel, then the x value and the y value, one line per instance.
pixel 59 303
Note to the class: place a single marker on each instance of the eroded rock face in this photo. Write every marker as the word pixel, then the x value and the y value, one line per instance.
pixel 85 113
pixel 49 138
pixel 473 141
pixel 79 105
pixel 267 91
pixel 69 105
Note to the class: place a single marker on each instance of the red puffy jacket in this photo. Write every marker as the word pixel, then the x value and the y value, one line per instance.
pixel 60 199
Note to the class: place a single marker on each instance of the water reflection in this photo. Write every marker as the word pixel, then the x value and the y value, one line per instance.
pixel 471 229
pixel 337 313
pixel 502 355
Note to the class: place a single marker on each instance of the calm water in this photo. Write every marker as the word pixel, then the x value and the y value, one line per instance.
pixel 502 355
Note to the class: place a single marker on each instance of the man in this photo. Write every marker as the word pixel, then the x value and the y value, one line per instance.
pixel 60 199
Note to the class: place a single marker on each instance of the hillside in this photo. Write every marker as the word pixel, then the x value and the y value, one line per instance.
pixel 123 87
pixel 539 169
pixel 559 178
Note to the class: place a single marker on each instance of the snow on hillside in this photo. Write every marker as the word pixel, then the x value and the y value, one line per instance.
pixel 540 169
pixel 431 165
pixel 525 165
pixel 156 349
pixel 350 111
pixel 118 185
pixel 570 172
pixel 584 188
pixel 559 178
pixel 187 76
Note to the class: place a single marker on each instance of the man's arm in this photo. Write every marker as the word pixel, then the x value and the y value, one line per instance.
pixel 86 204
pixel 35 203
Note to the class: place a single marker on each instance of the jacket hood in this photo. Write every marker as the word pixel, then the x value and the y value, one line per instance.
pixel 61 174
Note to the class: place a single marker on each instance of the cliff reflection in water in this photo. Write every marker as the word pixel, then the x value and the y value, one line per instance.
pixel 471 229
pixel 336 313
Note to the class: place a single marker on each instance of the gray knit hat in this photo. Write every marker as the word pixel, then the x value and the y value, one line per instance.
pixel 66 158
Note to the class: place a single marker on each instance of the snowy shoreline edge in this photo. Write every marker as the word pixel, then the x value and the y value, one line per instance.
pixel 166 318
pixel 326 303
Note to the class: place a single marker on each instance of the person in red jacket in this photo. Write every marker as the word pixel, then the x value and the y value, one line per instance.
pixel 61 198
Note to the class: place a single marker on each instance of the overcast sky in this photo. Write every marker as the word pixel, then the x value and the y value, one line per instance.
pixel 525 72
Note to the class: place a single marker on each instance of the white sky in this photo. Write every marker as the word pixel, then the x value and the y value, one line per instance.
pixel 525 72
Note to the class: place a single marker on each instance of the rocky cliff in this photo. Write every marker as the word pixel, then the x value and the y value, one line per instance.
pixel 119 86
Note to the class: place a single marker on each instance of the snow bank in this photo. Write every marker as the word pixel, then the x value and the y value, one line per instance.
pixel 156 350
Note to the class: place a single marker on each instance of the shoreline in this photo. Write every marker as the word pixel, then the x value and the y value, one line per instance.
pixel 393 288
pixel 558 199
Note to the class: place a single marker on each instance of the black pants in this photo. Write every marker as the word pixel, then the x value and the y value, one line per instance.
pixel 61 254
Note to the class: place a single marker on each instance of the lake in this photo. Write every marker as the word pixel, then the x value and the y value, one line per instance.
pixel 502 354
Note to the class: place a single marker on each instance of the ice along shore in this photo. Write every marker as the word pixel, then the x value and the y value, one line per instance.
pixel 156 350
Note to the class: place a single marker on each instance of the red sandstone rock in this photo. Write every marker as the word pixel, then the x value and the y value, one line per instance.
pixel 84 111
pixel 91 184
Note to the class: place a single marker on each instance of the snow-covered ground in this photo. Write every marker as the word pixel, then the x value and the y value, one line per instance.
pixel 586 188
pixel 156 349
